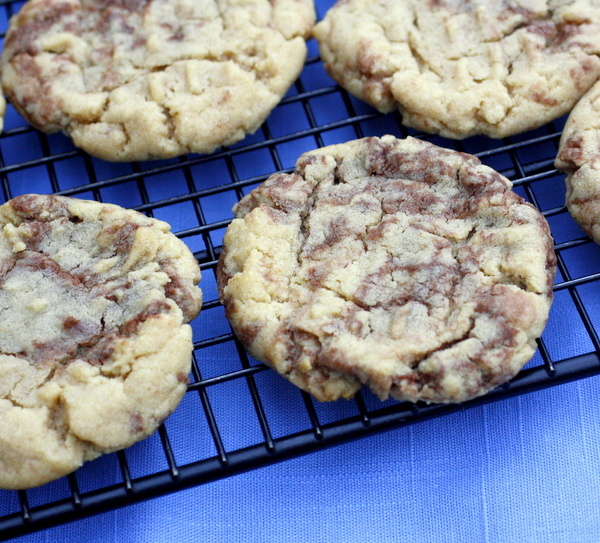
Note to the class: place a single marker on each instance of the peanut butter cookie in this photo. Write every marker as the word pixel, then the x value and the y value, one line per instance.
pixel 465 67
pixel 95 351
pixel 579 157
pixel 394 264
pixel 148 79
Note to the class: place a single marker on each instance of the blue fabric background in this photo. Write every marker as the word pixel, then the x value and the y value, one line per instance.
pixel 521 470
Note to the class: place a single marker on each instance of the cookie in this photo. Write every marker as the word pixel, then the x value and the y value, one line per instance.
pixel 2 109
pixel 464 67
pixel 149 79
pixel 95 351
pixel 393 264
pixel 579 157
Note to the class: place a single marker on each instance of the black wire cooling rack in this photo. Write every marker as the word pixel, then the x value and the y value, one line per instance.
pixel 237 414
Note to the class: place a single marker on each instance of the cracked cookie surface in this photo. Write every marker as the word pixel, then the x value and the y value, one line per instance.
pixel 95 349
pixel 394 264
pixel 465 67
pixel 579 157
pixel 149 79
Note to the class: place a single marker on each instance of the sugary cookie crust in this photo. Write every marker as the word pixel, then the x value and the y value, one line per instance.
pixel 579 157
pixel 94 349
pixel 395 264
pixel 465 67
pixel 147 79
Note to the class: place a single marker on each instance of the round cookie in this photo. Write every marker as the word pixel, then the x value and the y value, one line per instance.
pixel 2 109
pixel 395 264
pixel 579 157
pixel 464 67
pixel 149 79
pixel 94 349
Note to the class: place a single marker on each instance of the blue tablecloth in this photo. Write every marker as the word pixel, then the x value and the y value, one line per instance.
pixel 521 470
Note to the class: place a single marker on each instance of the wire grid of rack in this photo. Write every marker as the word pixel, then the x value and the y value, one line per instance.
pixel 238 415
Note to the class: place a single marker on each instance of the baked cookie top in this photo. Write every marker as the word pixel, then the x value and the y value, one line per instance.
pixel 395 264
pixel 465 67
pixel 579 157
pixel 148 79
pixel 94 349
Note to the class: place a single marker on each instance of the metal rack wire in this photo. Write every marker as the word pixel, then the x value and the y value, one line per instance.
pixel 195 194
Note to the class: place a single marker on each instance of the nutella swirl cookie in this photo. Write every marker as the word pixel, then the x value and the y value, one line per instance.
pixel 2 109
pixel 148 79
pixel 94 349
pixel 579 157
pixel 465 67
pixel 395 264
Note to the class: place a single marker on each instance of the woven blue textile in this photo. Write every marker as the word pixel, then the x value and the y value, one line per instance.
pixel 524 469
